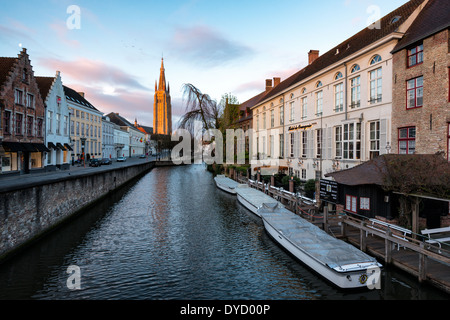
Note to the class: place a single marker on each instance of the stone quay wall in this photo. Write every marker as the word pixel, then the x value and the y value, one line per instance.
pixel 29 211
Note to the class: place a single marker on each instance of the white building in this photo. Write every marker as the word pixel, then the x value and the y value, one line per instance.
pixel 108 138
pixel 337 110
pixel 136 142
pixel 121 142
pixel 57 133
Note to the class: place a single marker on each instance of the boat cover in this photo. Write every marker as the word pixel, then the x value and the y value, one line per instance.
pixel 226 182
pixel 255 197
pixel 314 241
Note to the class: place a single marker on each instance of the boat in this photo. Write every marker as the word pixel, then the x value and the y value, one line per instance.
pixel 337 261
pixel 226 184
pixel 253 199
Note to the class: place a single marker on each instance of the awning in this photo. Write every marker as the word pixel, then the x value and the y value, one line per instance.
pixel 52 145
pixel 41 147
pixel 29 147
pixel 13 146
pixel 68 147
pixel 60 146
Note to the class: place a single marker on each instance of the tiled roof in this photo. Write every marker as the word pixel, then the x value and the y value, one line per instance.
pixel 74 96
pixel 119 120
pixel 6 65
pixel 44 84
pixel 433 18
pixel 350 46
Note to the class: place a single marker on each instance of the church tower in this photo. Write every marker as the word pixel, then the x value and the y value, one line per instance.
pixel 162 107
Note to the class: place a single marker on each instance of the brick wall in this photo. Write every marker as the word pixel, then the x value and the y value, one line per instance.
pixel 431 120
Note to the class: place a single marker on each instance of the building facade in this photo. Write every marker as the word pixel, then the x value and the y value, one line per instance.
pixel 121 142
pixel 421 94
pixel 337 110
pixel 85 126
pixel 57 133
pixel 108 138
pixel 162 106
pixel 136 138
pixel 22 115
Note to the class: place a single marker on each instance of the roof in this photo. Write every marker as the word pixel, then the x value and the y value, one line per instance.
pixel 433 18
pixel 145 129
pixel 398 170
pixel 6 65
pixel 74 96
pixel 350 46
pixel 44 84
pixel 249 104
pixel 119 120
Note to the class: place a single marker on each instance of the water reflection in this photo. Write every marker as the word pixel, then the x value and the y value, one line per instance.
pixel 174 235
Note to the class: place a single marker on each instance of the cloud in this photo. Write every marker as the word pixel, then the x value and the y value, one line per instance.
pixel 201 44
pixel 94 73
pixel 62 32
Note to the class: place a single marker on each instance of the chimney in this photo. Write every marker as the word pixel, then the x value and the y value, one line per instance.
pixel 313 55
pixel 268 85
pixel 276 81
pixel 81 94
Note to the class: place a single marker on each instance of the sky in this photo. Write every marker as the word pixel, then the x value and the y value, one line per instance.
pixel 111 50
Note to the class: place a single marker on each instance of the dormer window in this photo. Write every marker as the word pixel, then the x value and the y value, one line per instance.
pixel 24 75
pixel 415 55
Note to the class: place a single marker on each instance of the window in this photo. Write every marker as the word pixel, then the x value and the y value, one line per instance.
pixel 271 146
pixel 304 107
pixel 24 75
pixel 414 89
pixel 304 144
pixel 282 145
pixel 49 121
pixel 375 85
pixel 291 112
pixel 39 128
pixel 352 141
pixel 338 76
pixel 303 90
pixel 303 174
pixel 30 126
pixel 415 55
pixel 78 128
pixel 58 101
pixel 375 59
pixel 319 143
pixel 58 123
pixel 319 103
pixel 291 138
pixel 374 139
pixel 82 129
pixel 355 68
pixel 407 140
pixel 338 138
pixel 19 119
pixel 281 115
pixel 18 96
pixel 350 203
pixel 257 122
pixel 7 122
pixel 318 84
pixel 30 101
pixel 272 118
pixel 66 123
pixel 339 97
pixel 364 203
pixel 355 85
pixel 264 120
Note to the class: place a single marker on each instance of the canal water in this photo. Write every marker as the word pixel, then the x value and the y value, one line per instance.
pixel 172 235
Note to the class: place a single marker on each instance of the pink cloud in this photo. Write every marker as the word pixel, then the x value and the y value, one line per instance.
pixel 61 31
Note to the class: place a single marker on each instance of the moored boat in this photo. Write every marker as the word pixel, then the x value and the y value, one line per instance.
pixel 226 184
pixel 337 261
pixel 253 199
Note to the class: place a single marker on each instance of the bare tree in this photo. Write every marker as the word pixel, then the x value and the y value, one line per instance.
pixel 199 107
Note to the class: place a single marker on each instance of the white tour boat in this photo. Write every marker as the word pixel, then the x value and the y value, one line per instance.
pixel 253 199
pixel 226 184
pixel 337 261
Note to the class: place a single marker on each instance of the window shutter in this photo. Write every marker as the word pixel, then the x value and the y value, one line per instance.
pixel 383 135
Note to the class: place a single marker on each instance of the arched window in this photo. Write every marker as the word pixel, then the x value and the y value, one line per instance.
pixel 292 96
pixel 303 90
pixel 318 84
pixel 375 59
pixel 355 68
pixel 338 76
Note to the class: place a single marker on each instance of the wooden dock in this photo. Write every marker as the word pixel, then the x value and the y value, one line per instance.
pixel 407 253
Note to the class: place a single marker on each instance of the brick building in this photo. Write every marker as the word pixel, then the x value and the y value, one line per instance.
pixel 22 115
pixel 421 98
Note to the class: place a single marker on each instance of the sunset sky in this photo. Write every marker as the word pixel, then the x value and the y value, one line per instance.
pixel 114 53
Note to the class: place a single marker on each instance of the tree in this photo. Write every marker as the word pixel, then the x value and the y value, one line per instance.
pixel 199 107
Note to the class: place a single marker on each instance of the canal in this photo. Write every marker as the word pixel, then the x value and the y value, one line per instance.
pixel 172 235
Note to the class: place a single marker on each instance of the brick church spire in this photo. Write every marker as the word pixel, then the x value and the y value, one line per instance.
pixel 162 107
